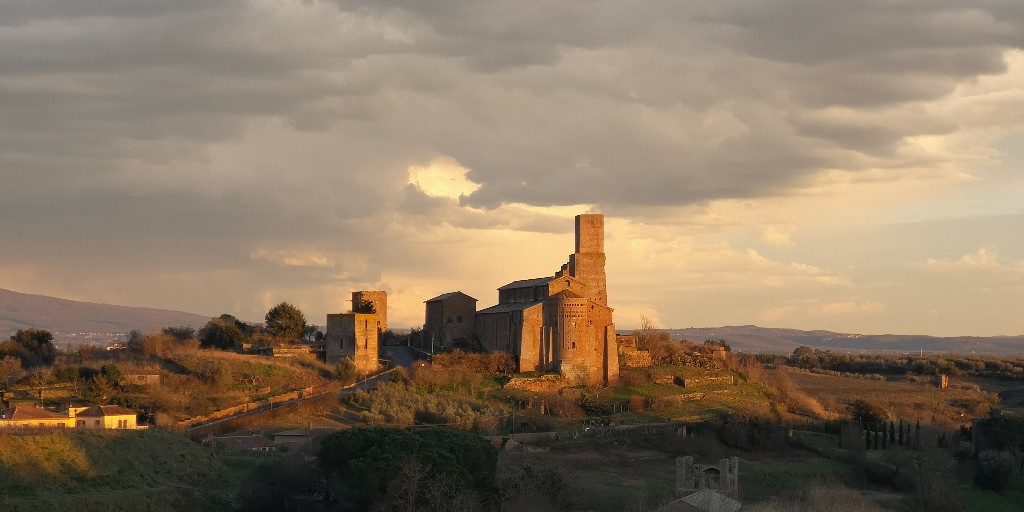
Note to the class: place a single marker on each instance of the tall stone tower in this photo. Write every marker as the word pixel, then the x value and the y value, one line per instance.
pixel 379 300
pixel 587 263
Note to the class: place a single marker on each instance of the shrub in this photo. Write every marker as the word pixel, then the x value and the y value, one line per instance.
pixel 868 412
pixel 345 370
pixel 964 450
pixel 993 470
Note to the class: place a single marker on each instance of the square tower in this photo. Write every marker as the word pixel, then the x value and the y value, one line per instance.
pixel 378 300
pixel 353 335
pixel 587 263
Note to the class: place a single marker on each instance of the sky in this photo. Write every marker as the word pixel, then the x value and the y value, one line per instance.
pixel 826 164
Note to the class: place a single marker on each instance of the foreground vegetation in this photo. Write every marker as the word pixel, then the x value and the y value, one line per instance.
pixel 812 431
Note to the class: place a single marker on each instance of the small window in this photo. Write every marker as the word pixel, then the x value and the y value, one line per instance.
pixel 96 422
pixel 458 319
pixel 449 319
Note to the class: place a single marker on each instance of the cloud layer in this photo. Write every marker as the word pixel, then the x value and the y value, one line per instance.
pixel 219 157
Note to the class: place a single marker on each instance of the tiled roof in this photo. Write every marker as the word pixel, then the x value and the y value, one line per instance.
pixel 105 410
pixel 505 307
pixel 567 294
pixel 528 283
pixel 445 296
pixel 31 413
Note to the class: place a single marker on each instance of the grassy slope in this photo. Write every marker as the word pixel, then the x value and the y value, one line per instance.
pixel 114 470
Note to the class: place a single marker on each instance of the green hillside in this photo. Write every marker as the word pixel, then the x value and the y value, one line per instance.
pixel 149 470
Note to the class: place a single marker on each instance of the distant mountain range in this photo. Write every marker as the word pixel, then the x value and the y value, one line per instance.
pixel 86 322
pixel 751 338
pixel 80 322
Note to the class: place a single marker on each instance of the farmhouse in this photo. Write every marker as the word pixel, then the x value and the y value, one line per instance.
pixel 95 417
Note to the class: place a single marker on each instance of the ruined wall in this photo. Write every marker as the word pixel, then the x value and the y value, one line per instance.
pixel 379 299
pixel 723 476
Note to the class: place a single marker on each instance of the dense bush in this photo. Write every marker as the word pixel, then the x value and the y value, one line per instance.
pixel 993 470
pixel 399 404
pixel 363 465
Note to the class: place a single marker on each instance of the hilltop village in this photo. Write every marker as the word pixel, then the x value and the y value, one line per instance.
pixel 534 403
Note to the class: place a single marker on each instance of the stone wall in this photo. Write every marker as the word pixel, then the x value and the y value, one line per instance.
pixel 353 335
pixel 379 299
pixel 449 319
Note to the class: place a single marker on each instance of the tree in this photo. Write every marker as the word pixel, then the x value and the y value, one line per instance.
pixel 221 333
pixel 134 340
pixel 993 470
pixel 10 366
pixel 362 463
pixel 285 321
pixel 345 370
pixel 100 391
pixel 111 373
pixel 182 333
pixel 312 333
pixel 33 346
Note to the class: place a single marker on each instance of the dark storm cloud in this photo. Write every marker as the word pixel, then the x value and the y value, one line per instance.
pixel 193 134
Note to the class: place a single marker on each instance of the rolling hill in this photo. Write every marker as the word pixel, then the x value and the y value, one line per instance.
pixel 74 321
pixel 751 338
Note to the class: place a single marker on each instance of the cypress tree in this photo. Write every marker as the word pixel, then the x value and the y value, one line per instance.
pixel 867 439
pixel 892 432
pixel 901 432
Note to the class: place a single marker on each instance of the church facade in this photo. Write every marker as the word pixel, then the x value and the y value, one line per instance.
pixel 559 323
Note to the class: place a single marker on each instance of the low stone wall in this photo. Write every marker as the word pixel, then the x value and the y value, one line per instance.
pixel 542 384
pixel 689 382
pixel 248 406
pixel 667 401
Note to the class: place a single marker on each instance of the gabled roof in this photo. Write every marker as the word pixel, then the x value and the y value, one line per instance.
pixel 505 307
pixel 567 294
pixel 446 296
pixel 31 413
pixel 97 411
pixel 528 283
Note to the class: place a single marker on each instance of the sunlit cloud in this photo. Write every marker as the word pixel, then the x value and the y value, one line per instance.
pixel 442 177
pixel 294 258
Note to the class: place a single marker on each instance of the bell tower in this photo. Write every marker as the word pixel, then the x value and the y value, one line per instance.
pixel 587 263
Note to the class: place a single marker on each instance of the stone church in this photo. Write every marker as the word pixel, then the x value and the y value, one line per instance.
pixel 557 323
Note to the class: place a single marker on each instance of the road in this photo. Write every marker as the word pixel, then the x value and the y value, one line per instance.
pixel 400 355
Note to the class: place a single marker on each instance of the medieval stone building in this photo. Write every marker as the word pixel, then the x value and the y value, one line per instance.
pixel 557 323
pixel 357 334
pixel 372 302
pixel 451 318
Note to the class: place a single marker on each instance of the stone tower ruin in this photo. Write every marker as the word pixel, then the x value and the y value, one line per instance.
pixel 379 301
